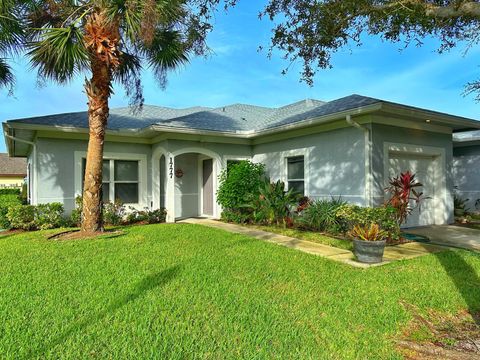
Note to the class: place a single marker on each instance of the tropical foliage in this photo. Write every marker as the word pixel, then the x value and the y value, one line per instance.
pixel 274 204
pixel 371 232
pixel 321 215
pixel 350 215
pixel 239 184
pixel 404 195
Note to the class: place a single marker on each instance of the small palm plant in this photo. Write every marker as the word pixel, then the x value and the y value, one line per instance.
pixel 111 40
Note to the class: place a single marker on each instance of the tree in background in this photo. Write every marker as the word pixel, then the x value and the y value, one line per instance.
pixel 110 40
pixel 312 30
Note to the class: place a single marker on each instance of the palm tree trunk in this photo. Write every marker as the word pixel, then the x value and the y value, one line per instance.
pixel 98 91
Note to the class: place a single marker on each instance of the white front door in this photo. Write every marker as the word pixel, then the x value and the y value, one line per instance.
pixel 425 172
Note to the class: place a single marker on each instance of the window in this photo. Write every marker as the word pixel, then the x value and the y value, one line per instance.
pixel 120 180
pixel 296 174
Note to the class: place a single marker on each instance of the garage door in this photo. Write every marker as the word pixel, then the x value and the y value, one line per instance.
pixel 424 169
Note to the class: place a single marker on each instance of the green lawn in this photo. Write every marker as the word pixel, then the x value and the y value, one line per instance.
pixel 184 291
pixel 308 235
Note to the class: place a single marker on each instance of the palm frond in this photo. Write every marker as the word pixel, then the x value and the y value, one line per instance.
pixel 60 53
pixel 130 14
pixel 128 74
pixel 166 52
pixel 6 75
pixel 11 31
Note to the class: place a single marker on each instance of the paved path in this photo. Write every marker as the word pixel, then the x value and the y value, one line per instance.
pixel 450 235
pixel 392 253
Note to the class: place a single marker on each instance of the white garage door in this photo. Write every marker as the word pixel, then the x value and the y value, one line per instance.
pixel 425 171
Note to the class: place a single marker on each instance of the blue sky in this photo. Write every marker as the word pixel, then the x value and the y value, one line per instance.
pixel 238 73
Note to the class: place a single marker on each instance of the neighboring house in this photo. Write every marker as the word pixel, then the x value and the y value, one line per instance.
pixel 12 171
pixel 172 157
pixel 466 167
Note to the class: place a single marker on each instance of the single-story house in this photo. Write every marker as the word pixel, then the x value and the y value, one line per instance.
pixel 466 168
pixel 164 157
pixel 12 171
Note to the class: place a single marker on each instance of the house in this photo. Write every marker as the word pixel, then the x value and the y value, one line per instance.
pixel 466 168
pixel 12 171
pixel 164 157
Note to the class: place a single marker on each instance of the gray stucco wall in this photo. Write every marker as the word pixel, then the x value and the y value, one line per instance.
pixel 335 162
pixel 466 169
pixel 56 167
pixel 382 134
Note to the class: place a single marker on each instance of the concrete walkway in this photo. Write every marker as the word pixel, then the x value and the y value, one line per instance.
pixel 450 235
pixel 392 253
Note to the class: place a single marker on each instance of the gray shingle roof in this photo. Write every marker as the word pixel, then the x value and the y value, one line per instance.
pixel 231 118
pixel 12 166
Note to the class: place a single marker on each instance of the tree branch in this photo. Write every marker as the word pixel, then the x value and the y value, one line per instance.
pixel 468 8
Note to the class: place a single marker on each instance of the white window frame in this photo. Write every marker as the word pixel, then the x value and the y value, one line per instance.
pixel 306 172
pixel 142 175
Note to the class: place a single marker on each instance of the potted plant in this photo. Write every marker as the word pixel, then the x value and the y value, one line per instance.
pixel 369 243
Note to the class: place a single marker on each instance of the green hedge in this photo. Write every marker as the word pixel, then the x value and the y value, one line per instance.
pixel 10 191
pixel 36 217
pixel 8 198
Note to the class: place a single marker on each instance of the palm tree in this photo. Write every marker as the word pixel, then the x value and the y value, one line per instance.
pixel 111 39
pixel 11 35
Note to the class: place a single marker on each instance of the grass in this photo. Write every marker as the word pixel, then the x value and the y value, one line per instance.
pixel 187 291
pixel 308 235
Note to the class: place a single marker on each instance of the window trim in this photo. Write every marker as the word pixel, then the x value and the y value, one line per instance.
pixel 305 152
pixel 142 174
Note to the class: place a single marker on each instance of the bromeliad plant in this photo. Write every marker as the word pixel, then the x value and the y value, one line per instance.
pixel 404 191
pixel 371 232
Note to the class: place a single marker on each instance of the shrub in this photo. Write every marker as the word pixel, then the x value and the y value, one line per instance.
pixel 239 185
pixel 22 217
pixel 30 217
pixel 385 217
pixel 156 216
pixel 10 191
pixel 321 215
pixel 273 204
pixel 49 216
pixel 236 216
pixel 8 198
pixel 113 212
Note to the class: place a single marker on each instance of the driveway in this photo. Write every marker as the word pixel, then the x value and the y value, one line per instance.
pixel 450 235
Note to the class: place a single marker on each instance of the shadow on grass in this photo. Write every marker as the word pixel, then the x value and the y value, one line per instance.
pixel 464 277
pixel 148 283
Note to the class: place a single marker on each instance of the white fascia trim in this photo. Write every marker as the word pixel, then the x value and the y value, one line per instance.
pixel 305 152
pixel 142 180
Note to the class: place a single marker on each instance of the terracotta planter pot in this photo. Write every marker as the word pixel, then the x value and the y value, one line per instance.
pixel 369 252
